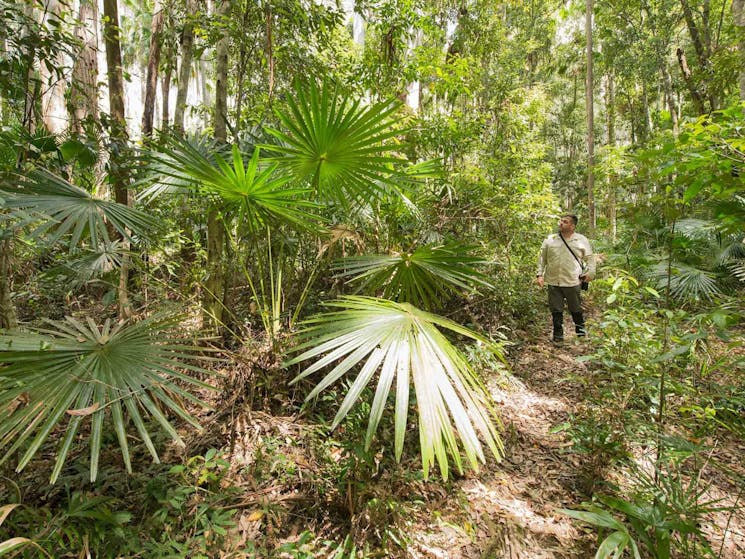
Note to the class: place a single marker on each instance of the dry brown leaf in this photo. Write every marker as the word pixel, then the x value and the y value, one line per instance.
pixel 84 411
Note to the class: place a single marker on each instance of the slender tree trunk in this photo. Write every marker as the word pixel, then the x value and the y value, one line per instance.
pixel 667 84
pixel 165 89
pixel 589 106
pixel 31 87
pixel 119 140
pixel 701 39
pixel 215 284
pixel 153 62
pixel 610 104
pixel 696 98
pixel 8 318
pixel 187 53
pixel 738 16
pixel 83 103
pixel 269 50
pixel 53 85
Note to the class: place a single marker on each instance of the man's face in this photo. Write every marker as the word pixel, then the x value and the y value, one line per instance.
pixel 566 225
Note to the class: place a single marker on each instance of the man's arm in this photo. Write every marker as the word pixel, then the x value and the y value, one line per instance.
pixel 589 259
pixel 541 269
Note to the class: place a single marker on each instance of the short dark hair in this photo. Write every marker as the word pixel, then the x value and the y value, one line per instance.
pixel 572 217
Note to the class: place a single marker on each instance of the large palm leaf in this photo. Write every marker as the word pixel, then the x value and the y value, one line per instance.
pixel 77 371
pixel 402 342
pixel 252 189
pixel 423 277
pixel 59 208
pixel 338 144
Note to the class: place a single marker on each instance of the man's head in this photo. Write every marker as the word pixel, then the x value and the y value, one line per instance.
pixel 567 223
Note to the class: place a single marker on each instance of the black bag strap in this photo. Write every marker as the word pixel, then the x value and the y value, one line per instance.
pixel 570 250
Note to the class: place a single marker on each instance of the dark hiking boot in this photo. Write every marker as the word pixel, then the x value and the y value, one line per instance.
pixel 579 324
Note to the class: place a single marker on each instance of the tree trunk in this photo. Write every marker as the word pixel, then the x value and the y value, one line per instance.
pixel 696 98
pixel 701 39
pixel 119 140
pixel 215 284
pixel 667 84
pixel 153 62
pixel 83 103
pixel 269 50
pixel 589 106
pixel 53 108
pixel 610 103
pixel 738 16
pixel 8 318
pixel 187 53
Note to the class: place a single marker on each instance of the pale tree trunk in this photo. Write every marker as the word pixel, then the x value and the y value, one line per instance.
pixel 610 111
pixel 215 284
pixel 187 53
pixel 165 88
pixel 118 169
pixel 31 87
pixel 52 83
pixel 667 84
pixel 269 49
pixel 83 103
pixel 590 109
pixel 153 62
pixel 738 15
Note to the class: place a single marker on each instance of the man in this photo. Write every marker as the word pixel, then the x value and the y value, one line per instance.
pixel 564 263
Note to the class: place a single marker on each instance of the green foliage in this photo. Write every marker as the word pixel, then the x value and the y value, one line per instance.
pixel 65 209
pixel 60 377
pixel 424 277
pixel 337 144
pixel 404 342
pixel 663 514
pixel 249 190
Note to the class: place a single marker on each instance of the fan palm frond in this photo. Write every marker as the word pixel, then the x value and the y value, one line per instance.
pixel 423 277
pixel 76 371
pixel 250 188
pixel 686 282
pixel 89 264
pixel 404 343
pixel 58 208
pixel 337 144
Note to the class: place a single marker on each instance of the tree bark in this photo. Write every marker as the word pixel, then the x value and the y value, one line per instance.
pixel 187 53
pixel 667 84
pixel 53 85
pixel 738 16
pixel 83 104
pixel 589 106
pixel 269 50
pixel 153 63
pixel 701 39
pixel 118 138
pixel 696 98
pixel 8 318
pixel 215 284
pixel 610 104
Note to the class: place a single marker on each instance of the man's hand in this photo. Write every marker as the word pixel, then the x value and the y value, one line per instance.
pixel 539 281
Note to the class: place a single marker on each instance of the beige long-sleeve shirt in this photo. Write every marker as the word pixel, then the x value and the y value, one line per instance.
pixel 558 266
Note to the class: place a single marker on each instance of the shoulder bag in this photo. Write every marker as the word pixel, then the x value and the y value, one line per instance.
pixel 584 285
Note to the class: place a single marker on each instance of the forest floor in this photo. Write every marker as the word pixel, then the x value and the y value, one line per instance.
pixel 510 509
